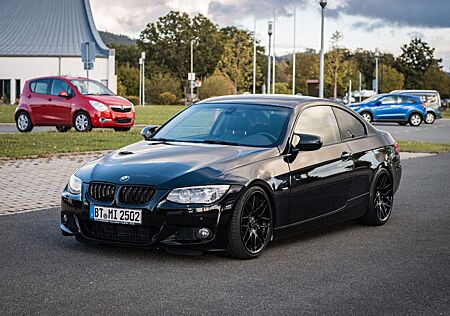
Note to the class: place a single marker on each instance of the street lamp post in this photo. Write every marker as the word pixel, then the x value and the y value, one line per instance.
pixel 377 55
pixel 143 78
pixel 140 81
pixel 192 71
pixel 254 54
pixel 270 32
pixel 323 4
pixel 293 53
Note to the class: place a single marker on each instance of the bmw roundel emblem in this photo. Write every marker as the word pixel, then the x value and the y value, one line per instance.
pixel 124 178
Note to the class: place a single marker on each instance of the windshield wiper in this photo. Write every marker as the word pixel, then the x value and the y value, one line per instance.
pixel 219 142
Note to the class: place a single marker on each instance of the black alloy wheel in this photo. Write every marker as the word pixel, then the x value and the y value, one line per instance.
pixel 251 225
pixel 381 199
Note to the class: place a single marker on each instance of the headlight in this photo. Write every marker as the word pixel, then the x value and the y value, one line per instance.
pixel 75 185
pixel 201 195
pixel 98 106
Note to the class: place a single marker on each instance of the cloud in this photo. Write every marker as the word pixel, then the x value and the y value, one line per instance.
pixel 416 13
pixel 227 11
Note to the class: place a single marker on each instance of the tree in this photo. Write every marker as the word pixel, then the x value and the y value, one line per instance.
pixel 167 44
pixel 391 79
pixel 335 58
pixel 128 79
pixel 416 58
pixel 436 79
pixel 282 88
pixel 216 85
pixel 160 83
pixel 237 60
pixel 307 67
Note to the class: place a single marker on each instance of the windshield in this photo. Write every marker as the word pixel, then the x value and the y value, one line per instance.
pixel 91 87
pixel 232 124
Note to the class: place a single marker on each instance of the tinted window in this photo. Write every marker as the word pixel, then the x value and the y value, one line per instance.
pixel 58 86
pixel 349 126
pixel 407 100
pixel 248 125
pixel 320 121
pixel 40 86
pixel 388 100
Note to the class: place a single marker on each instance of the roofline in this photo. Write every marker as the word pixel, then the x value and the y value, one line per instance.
pixel 50 55
pixel 101 45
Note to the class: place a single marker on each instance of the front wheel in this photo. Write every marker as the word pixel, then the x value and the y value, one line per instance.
pixel 429 119
pixel 415 119
pixel 367 116
pixel 82 122
pixel 380 200
pixel 23 122
pixel 251 225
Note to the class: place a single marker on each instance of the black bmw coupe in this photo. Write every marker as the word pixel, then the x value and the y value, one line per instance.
pixel 232 173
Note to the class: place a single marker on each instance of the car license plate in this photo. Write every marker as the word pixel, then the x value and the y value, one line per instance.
pixel 115 215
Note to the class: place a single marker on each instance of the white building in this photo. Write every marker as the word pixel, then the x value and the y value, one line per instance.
pixel 43 38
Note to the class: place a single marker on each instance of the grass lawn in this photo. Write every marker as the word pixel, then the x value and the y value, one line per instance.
pixel 147 115
pixel 418 146
pixel 445 113
pixel 47 143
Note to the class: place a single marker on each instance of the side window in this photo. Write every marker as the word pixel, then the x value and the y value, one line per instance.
pixel 407 100
pixel 40 86
pixel 58 86
pixel 388 100
pixel 320 121
pixel 349 126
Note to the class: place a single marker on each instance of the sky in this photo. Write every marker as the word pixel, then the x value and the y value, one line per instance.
pixel 368 24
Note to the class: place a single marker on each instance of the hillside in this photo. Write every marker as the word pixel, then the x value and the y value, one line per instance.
pixel 116 39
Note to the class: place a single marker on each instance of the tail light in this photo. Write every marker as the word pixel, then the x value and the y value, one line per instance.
pixel 397 150
pixel 424 104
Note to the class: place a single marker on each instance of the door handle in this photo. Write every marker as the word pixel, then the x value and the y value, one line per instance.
pixel 346 156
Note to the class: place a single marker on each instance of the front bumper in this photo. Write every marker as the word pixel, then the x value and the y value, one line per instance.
pixel 164 224
pixel 113 119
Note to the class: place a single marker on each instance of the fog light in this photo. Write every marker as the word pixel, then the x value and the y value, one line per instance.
pixel 203 233
pixel 64 219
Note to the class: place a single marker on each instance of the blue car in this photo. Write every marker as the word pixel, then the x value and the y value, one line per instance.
pixel 399 108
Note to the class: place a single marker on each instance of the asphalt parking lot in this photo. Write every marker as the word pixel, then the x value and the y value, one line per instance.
pixel 400 268
pixel 439 132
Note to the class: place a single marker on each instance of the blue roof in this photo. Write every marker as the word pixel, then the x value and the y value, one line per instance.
pixel 47 28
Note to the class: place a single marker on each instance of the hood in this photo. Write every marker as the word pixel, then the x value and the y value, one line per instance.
pixel 171 165
pixel 109 99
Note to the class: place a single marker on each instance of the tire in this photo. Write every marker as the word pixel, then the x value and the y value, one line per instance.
pixel 429 119
pixel 250 231
pixel 82 122
pixel 122 129
pixel 415 119
pixel 367 116
pixel 381 199
pixel 402 123
pixel 63 129
pixel 23 122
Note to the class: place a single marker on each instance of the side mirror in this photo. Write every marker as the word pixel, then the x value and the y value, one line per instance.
pixel 307 142
pixel 148 131
pixel 63 94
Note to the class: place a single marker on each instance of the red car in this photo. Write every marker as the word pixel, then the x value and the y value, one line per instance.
pixel 67 102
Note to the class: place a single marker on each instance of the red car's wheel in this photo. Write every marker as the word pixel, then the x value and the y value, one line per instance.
pixel 82 122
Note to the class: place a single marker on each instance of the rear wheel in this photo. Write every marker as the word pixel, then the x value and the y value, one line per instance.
pixel 63 129
pixel 251 225
pixel 367 116
pixel 429 119
pixel 23 122
pixel 415 119
pixel 381 199
pixel 82 122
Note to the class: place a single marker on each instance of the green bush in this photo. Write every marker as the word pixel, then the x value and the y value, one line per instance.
pixel 216 85
pixel 158 84
pixel 282 88
pixel 167 98
pixel 133 99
